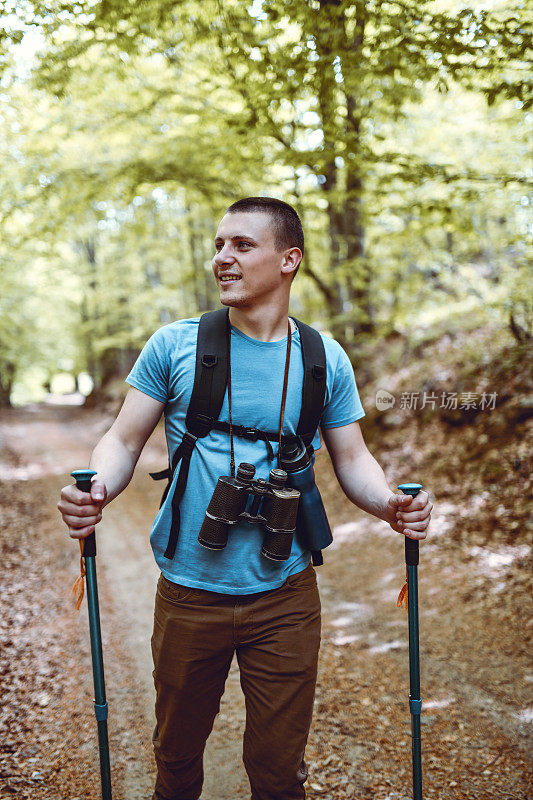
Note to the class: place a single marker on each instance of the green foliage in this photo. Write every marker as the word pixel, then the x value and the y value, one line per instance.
pixel 398 129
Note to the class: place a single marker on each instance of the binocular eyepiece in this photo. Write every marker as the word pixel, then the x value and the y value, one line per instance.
pixel 268 503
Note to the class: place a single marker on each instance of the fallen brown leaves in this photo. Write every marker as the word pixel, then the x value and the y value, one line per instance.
pixel 43 716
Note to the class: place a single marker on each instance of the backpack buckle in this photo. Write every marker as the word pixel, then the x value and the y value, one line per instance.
pixel 209 360
pixel 188 442
pixel 202 424
pixel 318 372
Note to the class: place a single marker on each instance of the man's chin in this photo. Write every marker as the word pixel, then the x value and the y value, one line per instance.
pixel 233 302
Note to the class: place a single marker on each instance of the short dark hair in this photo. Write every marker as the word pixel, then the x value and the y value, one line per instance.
pixel 288 231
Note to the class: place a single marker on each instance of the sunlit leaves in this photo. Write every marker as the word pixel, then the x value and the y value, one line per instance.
pixel 134 125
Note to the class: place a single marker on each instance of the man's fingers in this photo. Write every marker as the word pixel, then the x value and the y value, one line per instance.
pixel 398 500
pixel 415 526
pixel 81 533
pixel 417 535
pixel 98 491
pixel 71 509
pixel 71 494
pixel 413 516
pixel 407 501
pixel 418 501
pixel 81 511
pixel 81 522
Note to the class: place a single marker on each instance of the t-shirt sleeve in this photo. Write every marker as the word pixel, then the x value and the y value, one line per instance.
pixel 344 404
pixel 150 373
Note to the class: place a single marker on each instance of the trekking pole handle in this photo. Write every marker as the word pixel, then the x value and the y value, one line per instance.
pixel 411 545
pixel 83 483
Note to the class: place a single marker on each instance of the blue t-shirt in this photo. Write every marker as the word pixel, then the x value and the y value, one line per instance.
pixel 165 371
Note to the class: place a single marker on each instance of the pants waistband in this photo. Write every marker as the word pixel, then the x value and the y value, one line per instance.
pixel 294 580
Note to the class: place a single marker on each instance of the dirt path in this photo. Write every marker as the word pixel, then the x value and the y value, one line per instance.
pixel 476 670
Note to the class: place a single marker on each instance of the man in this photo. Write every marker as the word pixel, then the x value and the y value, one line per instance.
pixel 212 603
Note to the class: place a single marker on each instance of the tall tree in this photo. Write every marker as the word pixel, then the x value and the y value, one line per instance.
pixel 318 76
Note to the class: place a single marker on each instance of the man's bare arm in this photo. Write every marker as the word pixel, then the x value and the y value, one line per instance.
pixel 114 459
pixel 364 483
pixel 116 454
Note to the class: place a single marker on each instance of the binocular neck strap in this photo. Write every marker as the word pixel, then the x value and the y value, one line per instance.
pixel 283 394
pixel 228 348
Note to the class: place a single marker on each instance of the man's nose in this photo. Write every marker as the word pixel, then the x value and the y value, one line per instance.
pixel 223 256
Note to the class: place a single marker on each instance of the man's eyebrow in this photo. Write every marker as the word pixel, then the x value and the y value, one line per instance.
pixel 237 236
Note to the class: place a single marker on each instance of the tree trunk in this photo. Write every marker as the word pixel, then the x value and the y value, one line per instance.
pixel 87 312
pixel 359 281
pixel 197 250
pixel 349 305
pixel 7 379
pixel 327 94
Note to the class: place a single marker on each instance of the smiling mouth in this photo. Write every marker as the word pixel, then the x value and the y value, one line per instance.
pixel 228 278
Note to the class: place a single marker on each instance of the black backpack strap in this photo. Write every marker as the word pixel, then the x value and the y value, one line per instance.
pixel 313 393
pixel 211 374
pixel 210 380
pixel 314 383
pixel 183 454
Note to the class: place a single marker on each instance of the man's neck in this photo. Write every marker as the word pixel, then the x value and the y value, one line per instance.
pixel 260 324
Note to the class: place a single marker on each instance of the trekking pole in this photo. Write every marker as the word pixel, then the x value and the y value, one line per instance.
pixel 83 482
pixel 415 703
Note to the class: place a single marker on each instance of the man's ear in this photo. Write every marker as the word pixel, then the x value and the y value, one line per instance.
pixel 291 260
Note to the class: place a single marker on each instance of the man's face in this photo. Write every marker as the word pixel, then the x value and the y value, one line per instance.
pixel 247 265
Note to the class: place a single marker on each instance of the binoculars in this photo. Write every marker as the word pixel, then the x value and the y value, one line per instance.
pixel 268 503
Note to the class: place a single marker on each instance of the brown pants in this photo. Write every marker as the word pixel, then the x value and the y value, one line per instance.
pixel 276 636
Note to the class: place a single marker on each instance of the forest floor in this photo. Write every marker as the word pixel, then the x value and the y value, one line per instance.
pixel 474 587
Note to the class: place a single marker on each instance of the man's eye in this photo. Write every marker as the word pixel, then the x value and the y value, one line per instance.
pixel 243 244
pixel 218 246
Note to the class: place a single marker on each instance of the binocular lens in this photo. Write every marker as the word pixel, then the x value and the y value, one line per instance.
pixel 213 534
pixel 228 501
pixel 277 546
